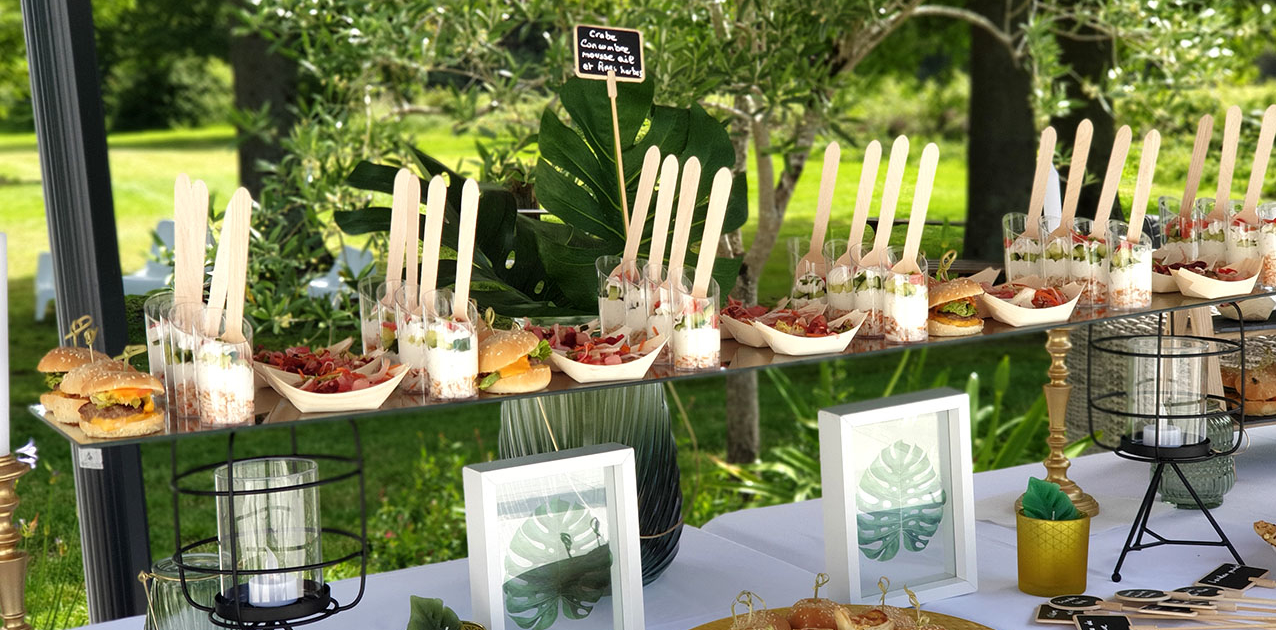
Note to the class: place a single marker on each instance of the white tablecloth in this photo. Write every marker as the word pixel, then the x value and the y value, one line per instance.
pixel 795 532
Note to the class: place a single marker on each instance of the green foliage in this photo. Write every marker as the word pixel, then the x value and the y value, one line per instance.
pixel 1046 501
pixel 429 613
pixel 900 500
pixel 423 521
pixel 547 569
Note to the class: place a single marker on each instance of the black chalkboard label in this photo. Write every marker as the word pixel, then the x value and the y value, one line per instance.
pixel 603 49
pixel 1075 602
pixel 1168 611
pixel 1236 577
pixel 1049 614
pixel 1142 595
pixel 1102 622
pixel 1208 592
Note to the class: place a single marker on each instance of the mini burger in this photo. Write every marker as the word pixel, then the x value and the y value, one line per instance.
pixel 511 362
pixel 120 399
pixel 953 312
pixel 61 406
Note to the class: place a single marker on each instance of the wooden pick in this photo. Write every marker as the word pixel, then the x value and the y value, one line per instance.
pixel 646 181
pixel 1111 181
pixel 1143 186
pixel 917 217
pixel 890 197
pixel 814 258
pixel 1076 177
pixel 465 250
pixel 1226 164
pixel 664 207
pixel 435 208
pixel 863 201
pixel 1045 157
pixel 1262 153
pixel 408 187
pixel 1204 131
pixel 682 222
pixel 241 208
pixel 398 240
pixel 221 273
pixel 718 196
pixel 188 254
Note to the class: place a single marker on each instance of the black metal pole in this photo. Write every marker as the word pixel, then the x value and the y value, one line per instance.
pixel 70 129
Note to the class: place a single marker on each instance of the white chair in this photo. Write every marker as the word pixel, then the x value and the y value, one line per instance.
pixel 330 285
pixel 45 290
pixel 155 274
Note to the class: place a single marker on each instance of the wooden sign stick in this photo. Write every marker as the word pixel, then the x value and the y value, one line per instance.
pixel 1262 154
pixel 435 208
pixel 1143 186
pixel 1226 164
pixel 241 208
pixel 411 222
pixel 863 202
pixel 718 196
pixel 660 226
pixel 890 197
pixel 615 136
pixel 917 217
pixel 682 222
pixel 394 266
pixel 646 181
pixel 1204 131
pixel 1076 177
pixel 1045 157
pixel 1111 181
pixel 814 258
pixel 465 250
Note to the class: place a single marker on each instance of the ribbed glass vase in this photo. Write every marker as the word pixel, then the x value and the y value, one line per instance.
pixel 635 416
pixel 1211 478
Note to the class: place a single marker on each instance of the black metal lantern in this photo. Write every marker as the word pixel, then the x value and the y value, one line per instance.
pixel 1163 406
pixel 270 539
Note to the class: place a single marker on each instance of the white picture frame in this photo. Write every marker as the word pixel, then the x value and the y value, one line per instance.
pixel 518 503
pixel 898 438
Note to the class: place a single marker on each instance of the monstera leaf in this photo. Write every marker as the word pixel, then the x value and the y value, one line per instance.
pixel 901 501
pixel 550 568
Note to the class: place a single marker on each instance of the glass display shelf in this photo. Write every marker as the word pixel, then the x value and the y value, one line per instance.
pixel 272 410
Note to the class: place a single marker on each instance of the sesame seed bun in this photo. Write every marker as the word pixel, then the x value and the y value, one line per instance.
pixel 537 378
pixel 504 347
pixel 144 425
pixel 107 375
pixel 954 290
pixel 62 407
pixel 67 358
pixel 956 327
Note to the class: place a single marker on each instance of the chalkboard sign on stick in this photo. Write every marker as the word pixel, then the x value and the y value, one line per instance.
pixel 600 50
pixel 1236 577
pixel 1049 614
pixel 1102 622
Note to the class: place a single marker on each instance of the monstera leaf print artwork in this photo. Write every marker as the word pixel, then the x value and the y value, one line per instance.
pixel 901 502
pixel 557 560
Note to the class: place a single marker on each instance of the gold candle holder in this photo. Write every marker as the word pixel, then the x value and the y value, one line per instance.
pixel 13 562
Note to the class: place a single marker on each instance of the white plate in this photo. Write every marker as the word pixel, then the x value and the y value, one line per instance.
pixel 585 373
pixel 743 332
pixel 362 400
pixel 1017 316
pixel 794 345
pixel 1195 285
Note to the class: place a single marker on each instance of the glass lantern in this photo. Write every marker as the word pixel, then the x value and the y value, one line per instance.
pixel 1166 394
pixel 268 533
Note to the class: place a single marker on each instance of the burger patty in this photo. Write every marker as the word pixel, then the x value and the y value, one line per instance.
pixel 92 412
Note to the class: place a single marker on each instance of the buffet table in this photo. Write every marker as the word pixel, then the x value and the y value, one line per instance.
pixel 776 551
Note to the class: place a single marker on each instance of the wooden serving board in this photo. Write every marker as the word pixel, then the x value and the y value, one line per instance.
pixel 950 623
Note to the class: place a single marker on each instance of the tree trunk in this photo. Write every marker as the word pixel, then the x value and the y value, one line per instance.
pixel 1089 60
pixel 262 78
pixel 743 415
pixel 1003 137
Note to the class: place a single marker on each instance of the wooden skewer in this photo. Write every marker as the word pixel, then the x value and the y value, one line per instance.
pixel 917 218
pixel 1076 177
pixel 1226 164
pixel 1223 596
pixel 1045 157
pixel 1204 130
pixel 398 240
pixel 465 250
pixel 1262 153
pixel 718 196
pixel 411 194
pixel 890 197
pixel 814 258
pixel 664 207
pixel 241 208
pixel 863 201
pixel 682 222
pixel 646 181
pixel 1111 180
pixel 1143 186
pixel 435 208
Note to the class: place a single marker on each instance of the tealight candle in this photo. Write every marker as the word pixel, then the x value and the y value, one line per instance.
pixel 1170 435
pixel 273 589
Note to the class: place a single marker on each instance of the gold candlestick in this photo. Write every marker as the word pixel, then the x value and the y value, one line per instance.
pixel 13 562
pixel 1057 392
